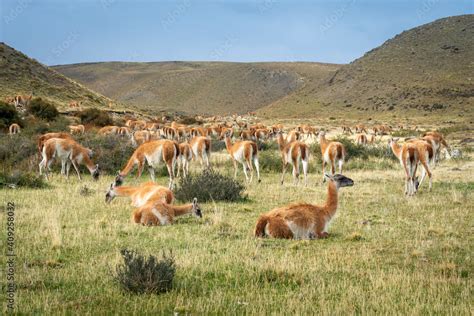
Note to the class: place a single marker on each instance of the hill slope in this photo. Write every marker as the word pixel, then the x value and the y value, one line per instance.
pixel 427 69
pixel 20 74
pixel 195 87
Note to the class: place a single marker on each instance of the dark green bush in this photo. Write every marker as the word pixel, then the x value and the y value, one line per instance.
pixel 8 115
pixel 141 274
pixel 19 151
pixel 270 161
pixel 209 185
pixel 18 178
pixel 217 146
pixel 42 109
pixel 111 152
pixel 189 120
pixel 95 117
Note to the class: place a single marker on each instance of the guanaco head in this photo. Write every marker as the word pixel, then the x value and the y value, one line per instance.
pixel 196 209
pixel 96 172
pixel 226 133
pixel 340 180
pixel 110 195
pixel 118 179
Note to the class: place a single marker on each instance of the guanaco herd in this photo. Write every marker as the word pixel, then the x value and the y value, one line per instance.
pixel 176 145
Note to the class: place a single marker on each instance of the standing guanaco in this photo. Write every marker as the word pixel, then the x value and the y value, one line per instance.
pixel 185 156
pixel 152 153
pixel 69 152
pixel 425 155
pixel 201 147
pixel 331 151
pixel 361 139
pixel 292 152
pixel 243 152
pixel 140 195
pixel 407 154
pixel 43 138
pixel 159 213
pixel 303 220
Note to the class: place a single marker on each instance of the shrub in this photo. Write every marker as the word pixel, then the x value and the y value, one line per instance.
pixel 19 151
pixel 140 274
pixel 42 109
pixel 270 161
pixel 8 115
pixel 111 152
pixel 36 126
pixel 21 179
pixel 95 116
pixel 217 146
pixel 209 185
pixel 188 120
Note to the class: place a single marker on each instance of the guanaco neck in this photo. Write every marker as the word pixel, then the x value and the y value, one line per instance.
pixel 85 158
pixel 124 190
pixel 396 148
pixel 323 143
pixel 228 144
pixel 130 164
pixel 182 209
pixel 281 142
pixel 330 206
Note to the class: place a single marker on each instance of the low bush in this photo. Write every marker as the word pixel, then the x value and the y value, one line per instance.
pixel 218 146
pixel 8 115
pixel 209 185
pixel 42 109
pixel 95 117
pixel 35 126
pixel 19 151
pixel 111 152
pixel 21 179
pixel 188 120
pixel 141 274
pixel 270 161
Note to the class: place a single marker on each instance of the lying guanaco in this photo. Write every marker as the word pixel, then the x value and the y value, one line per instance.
pixel 108 130
pixel 331 151
pixel 159 213
pixel 303 220
pixel 69 152
pixel 292 153
pixel 243 152
pixel 152 153
pixel 140 195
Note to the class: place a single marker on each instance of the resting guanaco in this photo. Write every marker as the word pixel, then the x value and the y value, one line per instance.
pixel 201 147
pixel 303 220
pixel 292 152
pixel 159 213
pixel 124 131
pixel 151 153
pixel 331 151
pixel 407 154
pixel 77 129
pixel 14 129
pixel 243 152
pixel 185 156
pixel 68 151
pixel 108 130
pixel 141 194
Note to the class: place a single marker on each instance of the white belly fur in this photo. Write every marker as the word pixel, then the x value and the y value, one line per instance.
pixel 300 232
pixel 163 219
pixel 155 158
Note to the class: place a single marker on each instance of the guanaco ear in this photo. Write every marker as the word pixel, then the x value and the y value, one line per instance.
pixel 195 201
pixel 328 176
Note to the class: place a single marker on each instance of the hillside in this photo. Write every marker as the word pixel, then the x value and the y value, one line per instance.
pixel 428 69
pixel 20 74
pixel 197 87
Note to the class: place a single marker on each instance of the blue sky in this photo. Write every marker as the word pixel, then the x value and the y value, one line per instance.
pixel 72 31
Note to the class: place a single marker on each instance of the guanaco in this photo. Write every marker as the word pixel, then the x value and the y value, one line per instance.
pixel 292 152
pixel 331 151
pixel 201 147
pixel 140 195
pixel 43 138
pixel 407 154
pixel 185 156
pixel 243 152
pixel 361 139
pixel 69 152
pixel 159 213
pixel 14 129
pixel 425 155
pixel 76 129
pixel 303 220
pixel 108 130
pixel 140 137
pixel 151 153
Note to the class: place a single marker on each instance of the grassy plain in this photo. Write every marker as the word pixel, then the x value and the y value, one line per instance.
pixel 387 254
